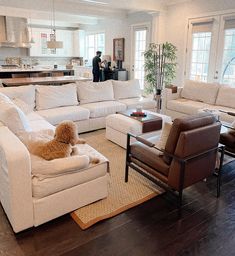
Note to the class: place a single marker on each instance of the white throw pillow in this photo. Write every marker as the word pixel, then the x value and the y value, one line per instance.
pixel 22 105
pixel 226 96
pixel 161 143
pixel 14 118
pixel 25 93
pixel 89 92
pixel 126 89
pixel 199 91
pixel 56 96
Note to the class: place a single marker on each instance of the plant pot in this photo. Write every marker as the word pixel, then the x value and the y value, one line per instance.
pixel 158 99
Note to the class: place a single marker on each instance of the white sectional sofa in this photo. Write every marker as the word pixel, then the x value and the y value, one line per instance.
pixel 195 96
pixel 85 103
pixel 34 191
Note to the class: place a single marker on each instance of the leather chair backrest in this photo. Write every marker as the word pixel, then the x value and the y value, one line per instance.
pixel 184 124
pixel 193 142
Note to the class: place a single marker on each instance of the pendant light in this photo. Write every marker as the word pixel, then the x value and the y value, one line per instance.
pixel 32 41
pixel 53 44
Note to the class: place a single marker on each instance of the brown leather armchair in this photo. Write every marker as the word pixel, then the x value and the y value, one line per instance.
pixel 189 156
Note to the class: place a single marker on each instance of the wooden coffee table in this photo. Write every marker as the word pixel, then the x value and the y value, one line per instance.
pixel 118 125
pixel 150 122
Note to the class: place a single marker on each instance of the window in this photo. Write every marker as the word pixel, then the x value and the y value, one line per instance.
pixel 200 56
pixel 211 49
pixel 200 51
pixel 140 36
pixel 228 65
pixel 94 43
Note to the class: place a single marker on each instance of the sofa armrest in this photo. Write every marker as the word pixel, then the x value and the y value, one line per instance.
pixel 15 180
pixel 169 95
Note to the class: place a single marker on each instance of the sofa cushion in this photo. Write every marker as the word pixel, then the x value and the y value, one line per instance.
pixel 105 108
pixel 199 91
pixel 22 105
pixel 56 96
pixel 46 184
pixel 126 89
pixel 25 93
pixel 13 118
pixel 89 92
pixel 4 98
pixel 226 96
pixel 59 166
pixel 186 106
pixel 57 115
pixel 146 103
pixel 39 125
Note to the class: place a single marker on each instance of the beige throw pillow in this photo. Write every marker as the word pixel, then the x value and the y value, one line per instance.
pixel 22 105
pixel 161 143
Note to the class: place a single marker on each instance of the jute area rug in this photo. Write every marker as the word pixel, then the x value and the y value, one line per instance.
pixel 121 195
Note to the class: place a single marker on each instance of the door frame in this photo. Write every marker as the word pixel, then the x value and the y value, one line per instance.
pixel 146 25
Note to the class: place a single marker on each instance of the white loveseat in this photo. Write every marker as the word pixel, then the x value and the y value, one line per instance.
pixel 30 195
pixel 195 96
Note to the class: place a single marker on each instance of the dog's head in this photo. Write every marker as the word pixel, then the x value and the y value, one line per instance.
pixel 67 132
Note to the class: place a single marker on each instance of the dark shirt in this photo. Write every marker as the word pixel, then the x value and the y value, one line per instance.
pixel 95 64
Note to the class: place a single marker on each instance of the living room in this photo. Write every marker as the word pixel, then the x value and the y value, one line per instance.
pixel 157 183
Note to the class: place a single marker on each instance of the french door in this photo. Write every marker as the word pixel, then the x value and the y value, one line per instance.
pixel 211 49
pixel 140 40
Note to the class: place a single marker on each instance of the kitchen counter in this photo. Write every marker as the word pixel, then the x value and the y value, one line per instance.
pixel 35 69
pixel 42 80
pixel 30 72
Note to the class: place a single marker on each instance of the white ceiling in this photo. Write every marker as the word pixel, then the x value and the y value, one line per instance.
pixel 81 11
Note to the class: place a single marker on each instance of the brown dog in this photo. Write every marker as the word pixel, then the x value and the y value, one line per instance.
pixel 66 137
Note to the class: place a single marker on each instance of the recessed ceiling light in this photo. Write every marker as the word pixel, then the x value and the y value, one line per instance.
pixel 95 2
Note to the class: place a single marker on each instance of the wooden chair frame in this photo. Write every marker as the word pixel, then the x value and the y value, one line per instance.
pixel 182 162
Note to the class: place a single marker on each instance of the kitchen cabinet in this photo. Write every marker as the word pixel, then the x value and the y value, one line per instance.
pixel 42 35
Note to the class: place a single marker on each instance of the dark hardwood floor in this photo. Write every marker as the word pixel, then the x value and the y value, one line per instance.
pixel 206 228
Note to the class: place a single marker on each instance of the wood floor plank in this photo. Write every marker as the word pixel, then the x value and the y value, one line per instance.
pixel 152 228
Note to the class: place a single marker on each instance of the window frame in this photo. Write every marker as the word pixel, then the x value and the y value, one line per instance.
pixel 96 46
pixel 214 44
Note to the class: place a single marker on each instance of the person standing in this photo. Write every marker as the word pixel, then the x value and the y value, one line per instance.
pixel 96 64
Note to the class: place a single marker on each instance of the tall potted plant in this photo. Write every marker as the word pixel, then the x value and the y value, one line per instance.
pixel 160 68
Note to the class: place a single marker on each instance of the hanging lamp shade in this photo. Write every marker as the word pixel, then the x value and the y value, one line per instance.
pixel 53 44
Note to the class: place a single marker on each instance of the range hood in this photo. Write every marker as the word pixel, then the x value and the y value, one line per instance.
pixel 14 32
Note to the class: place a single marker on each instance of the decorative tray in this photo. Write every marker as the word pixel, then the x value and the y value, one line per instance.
pixel 138 114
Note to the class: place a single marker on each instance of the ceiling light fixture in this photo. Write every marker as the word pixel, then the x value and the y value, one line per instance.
pixel 53 44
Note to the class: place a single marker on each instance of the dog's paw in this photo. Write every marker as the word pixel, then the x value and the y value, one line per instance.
pixel 81 141
pixel 94 160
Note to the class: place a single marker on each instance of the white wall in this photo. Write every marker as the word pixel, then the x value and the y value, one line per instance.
pixel 118 28
pixel 176 25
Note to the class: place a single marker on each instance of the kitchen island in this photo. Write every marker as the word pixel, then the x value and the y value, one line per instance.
pixel 35 72
pixel 52 80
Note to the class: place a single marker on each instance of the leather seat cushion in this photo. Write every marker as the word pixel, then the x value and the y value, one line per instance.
pixel 150 156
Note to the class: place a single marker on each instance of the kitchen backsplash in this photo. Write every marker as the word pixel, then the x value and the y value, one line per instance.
pixel 34 61
pixel 15 53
